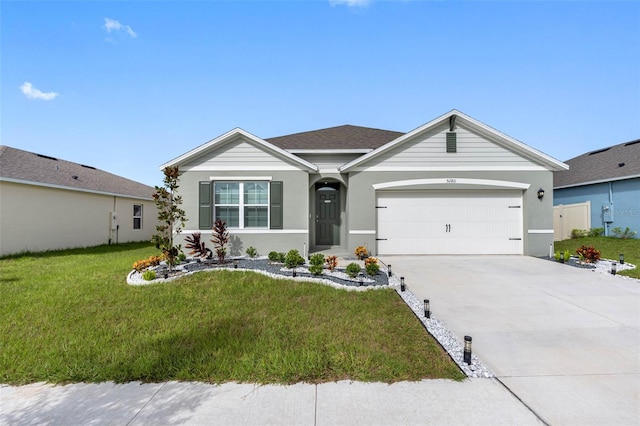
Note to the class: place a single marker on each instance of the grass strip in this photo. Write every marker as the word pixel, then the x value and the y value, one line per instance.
pixel 69 316
pixel 610 248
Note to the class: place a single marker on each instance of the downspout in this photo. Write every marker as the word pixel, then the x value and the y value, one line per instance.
pixel 607 224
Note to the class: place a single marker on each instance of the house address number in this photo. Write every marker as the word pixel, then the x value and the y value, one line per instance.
pixel 451 181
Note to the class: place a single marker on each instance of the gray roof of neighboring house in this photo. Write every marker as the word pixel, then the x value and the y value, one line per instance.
pixel 25 166
pixel 616 162
pixel 339 137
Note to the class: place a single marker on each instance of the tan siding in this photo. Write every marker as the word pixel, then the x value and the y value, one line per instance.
pixel 429 151
pixel 34 218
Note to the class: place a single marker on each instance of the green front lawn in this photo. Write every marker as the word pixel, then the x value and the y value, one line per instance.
pixel 69 316
pixel 610 248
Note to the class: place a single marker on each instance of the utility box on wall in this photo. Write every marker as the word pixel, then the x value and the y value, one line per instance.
pixel 607 212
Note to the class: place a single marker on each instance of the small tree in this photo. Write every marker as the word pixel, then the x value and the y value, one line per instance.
pixel 170 215
pixel 220 239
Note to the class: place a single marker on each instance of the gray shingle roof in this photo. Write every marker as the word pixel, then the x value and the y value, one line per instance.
pixel 340 137
pixel 613 163
pixel 20 165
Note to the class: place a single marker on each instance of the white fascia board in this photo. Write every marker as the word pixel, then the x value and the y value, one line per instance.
pixel 71 188
pixel 232 134
pixel 595 182
pixel 330 151
pixel 479 127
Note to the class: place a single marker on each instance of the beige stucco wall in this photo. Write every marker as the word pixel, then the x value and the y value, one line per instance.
pixel 36 218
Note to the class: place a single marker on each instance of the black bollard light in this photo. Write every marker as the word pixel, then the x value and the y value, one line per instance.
pixel 360 279
pixel 402 284
pixel 389 270
pixel 561 257
pixel 427 309
pixel 294 272
pixel 621 258
pixel 467 349
pixel 613 268
pixel 235 264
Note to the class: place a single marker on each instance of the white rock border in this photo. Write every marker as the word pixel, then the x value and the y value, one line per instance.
pixel 135 278
pixel 438 329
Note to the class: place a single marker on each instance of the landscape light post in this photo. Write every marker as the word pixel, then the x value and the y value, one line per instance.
pixel 467 349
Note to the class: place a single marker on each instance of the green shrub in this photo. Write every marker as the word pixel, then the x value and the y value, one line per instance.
pixel 316 259
pixel 596 232
pixel 316 269
pixel 371 265
pixel 252 252
pixel 275 256
pixel 567 255
pixel 293 259
pixel 149 275
pixel 556 256
pixel 182 257
pixel 372 268
pixel 353 269
pixel 626 234
pixel 578 233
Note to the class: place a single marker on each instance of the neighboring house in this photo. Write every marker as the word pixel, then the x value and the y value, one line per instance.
pixel 47 203
pixel 451 186
pixel 608 181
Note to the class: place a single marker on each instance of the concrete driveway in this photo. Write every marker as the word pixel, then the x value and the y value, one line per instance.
pixel 566 341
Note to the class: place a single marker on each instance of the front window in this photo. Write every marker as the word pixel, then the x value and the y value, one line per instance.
pixel 251 210
pixel 137 216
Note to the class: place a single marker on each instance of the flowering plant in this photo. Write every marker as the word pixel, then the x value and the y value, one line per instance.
pixel 588 254
pixel 332 262
pixel 362 252
pixel 143 264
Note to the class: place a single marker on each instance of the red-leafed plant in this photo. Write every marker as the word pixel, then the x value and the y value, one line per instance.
pixel 220 239
pixel 332 262
pixel 588 254
pixel 196 246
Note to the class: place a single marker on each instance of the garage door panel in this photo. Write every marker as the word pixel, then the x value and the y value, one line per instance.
pixel 455 222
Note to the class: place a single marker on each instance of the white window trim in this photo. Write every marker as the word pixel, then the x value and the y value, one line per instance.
pixel 240 178
pixel 241 204
pixel 137 217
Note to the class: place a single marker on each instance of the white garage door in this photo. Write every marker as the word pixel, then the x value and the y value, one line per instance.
pixel 449 222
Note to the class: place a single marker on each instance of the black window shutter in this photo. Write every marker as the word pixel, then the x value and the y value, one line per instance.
pixel 276 205
pixel 451 142
pixel 205 214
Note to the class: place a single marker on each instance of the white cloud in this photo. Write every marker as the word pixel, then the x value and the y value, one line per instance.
pixel 115 26
pixel 349 2
pixel 33 93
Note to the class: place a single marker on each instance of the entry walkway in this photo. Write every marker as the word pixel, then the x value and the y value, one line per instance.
pixel 566 341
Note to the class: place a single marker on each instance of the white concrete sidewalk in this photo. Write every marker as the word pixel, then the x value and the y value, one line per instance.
pixel 436 402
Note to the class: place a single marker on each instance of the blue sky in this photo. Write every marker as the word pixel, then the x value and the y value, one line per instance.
pixel 128 86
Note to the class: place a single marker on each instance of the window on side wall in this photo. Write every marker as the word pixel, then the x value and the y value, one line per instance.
pixel 137 216
pixel 242 204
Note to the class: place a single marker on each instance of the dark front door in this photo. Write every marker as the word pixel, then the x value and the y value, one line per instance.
pixel 327 216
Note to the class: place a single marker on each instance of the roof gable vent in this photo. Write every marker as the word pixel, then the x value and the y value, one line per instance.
pixel 451 142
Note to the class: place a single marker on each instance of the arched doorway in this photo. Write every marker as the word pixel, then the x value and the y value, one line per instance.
pixel 327 213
